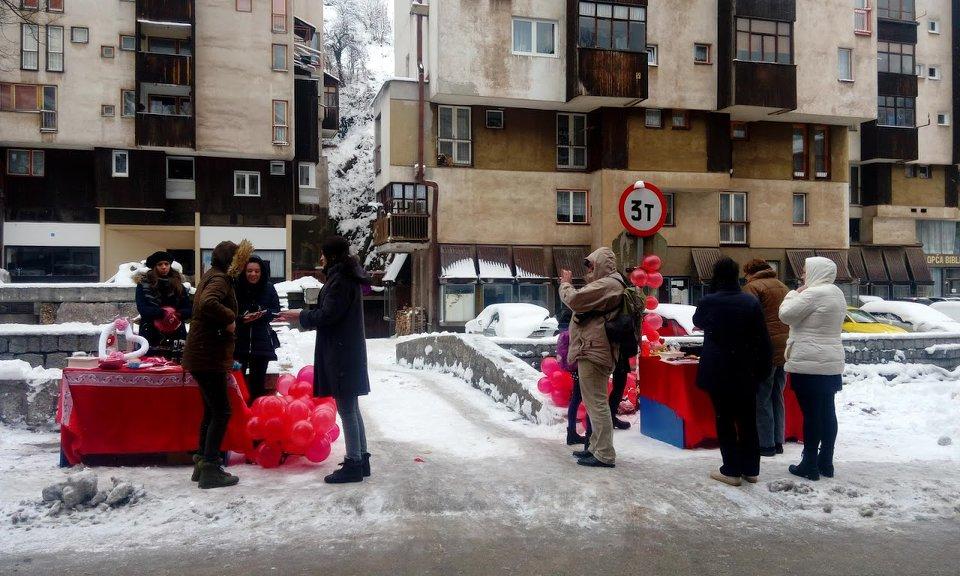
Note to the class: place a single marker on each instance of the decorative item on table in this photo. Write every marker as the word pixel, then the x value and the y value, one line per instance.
pixel 83 361
pixel 125 327
pixel 113 361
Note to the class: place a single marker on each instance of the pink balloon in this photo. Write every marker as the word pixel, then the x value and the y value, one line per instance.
pixel 544 385
pixel 652 303
pixel 655 280
pixel 257 407
pixel 333 433
pixel 269 455
pixel 549 365
pixel 638 277
pixel 560 397
pixel 653 320
pixel 284 382
pixel 302 389
pixel 298 410
pixel 319 450
pixel 271 406
pixel 302 433
pixel 563 381
pixel 305 374
pixel 652 263
pixel 273 429
pixel 323 418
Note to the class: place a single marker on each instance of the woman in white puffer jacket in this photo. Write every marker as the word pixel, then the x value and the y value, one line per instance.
pixel 814 360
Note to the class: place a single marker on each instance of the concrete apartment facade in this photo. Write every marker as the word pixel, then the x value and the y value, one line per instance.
pixel 538 119
pixel 129 126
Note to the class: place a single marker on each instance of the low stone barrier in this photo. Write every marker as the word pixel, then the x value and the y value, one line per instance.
pixel 44 347
pixel 59 303
pixel 30 403
pixel 938 349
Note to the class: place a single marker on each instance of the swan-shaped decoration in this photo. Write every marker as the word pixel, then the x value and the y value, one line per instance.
pixel 122 325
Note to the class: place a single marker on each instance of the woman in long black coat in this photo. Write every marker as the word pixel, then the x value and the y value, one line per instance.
pixel 340 356
pixel 161 296
pixel 736 357
pixel 257 343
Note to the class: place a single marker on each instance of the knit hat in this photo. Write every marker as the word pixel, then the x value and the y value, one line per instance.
pixel 158 257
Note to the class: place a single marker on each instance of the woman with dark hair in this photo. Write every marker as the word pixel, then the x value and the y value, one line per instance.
pixel 736 357
pixel 340 355
pixel 259 304
pixel 163 302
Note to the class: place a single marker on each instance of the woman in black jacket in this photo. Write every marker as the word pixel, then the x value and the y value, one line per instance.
pixel 736 357
pixel 162 299
pixel 259 304
pixel 340 356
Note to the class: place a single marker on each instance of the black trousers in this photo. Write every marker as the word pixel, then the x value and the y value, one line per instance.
pixel 574 407
pixel 819 424
pixel 736 413
pixel 216 412
pixel 254 369
pixel 620 372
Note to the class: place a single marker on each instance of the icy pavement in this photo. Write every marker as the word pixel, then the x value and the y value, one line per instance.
pixel 446 456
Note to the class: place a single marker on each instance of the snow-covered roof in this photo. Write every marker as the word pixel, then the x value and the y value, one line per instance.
pixel 922 317
pixel 394 268
pixel 494 270
pixel 462 269
pixel 284 288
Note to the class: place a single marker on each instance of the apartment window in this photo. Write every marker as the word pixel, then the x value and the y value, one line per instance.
pixel 670 220
pixel 653 118
pixel 19 98
pixel 180 169
pixel 25 162
pixel 896 111
pixel 680 120
pixel 494 119
pixel 170 105
pixel 701 53
pixel 54 5
pixel 764 41
pixel 534 37
pixel 407 198
pixel 933 72
pixel 279 60
pixel 921 70
pixel 280 122
pixel 571 206
pixel 30 4
pixel 738 131
pixel 107 51
pixel 128 43
pixel 933 26
pixel 246 183
pixel 278 168
pixel 613 27
pixel 895 58
pixel 653 55
pixel 943 119
pixel 821 151
pixel 29 47
pixel 129 99
pixel 279 21
pixel 799 209
pixel 108 110
pixel 910 171
pixel 55 48
pixel 121 163
pixel 459 302
pixel 895 9
pixel 845 64
pixel 48 109
pixel 244 5
pixel 855 190
pixel 79 35
pixel 733 218
pixel 454 135
pixel 799 152
pixel 571 141
pixel 923 172
pixel 862 24
pixel 307 175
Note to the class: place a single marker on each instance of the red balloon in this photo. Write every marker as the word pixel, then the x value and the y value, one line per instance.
pixel 273 429
pixel 255 428
pixel 319 450
pixel 652 263
pixel 545 385
pixel 305 374
pixel 284 382
pixel 302 434
pixel 560 397
pixel 652 303
pixel 638 277
pixel 655 280
pixel 549 366
pixel 298 410
pixel 269 455
pixel 272 406
pixel 323 419
pixel 645 348
pixel 257 406
pixel 653 320
pixel 302 389
pixel 651 335
pixel 562 380
pixel 333 433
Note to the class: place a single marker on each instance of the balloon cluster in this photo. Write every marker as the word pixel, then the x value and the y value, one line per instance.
pixel 557 382
pixel 648 276
pixel 293 422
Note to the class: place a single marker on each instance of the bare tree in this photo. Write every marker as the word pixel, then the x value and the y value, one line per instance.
pixel 374 15
pixel 344 44
pixel 11 15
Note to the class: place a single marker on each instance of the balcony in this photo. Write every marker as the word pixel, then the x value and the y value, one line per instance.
pixel 607 74
pixel 165 10
pixel 888 143
pixel 398 229
pixel 165 130
pixel 763 85
pixel 164 68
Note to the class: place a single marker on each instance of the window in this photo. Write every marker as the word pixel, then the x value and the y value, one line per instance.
pixel 79 35
pixel 821 151
pixel 170 105
pixel 613 27
pixel 861 18
pixel 854 228
pixel 733 218
pixel 30 4
pixel 895 58
pixel 571 206
pixel 701 53
pixel 129 100
pixel 55 48
pixel 943 119
pixel 534 37
pixel 933 26
pixel 108 110
pixel 670 220
pixel 763 41
pixel 53 263
pixel 54 5
pixel 799 209
pixel 896 111
pixel 459 302
pixel 107 52
pixel 910 171
pixel 48 109
pixel 571 141
pixel 799 152
pixel 279 22
pixel 933 72
pixel 246 183
pixel 653 55
pixel 494 119
pixel 121 163
pixel 921 70
pixel 855 195
pixel 895 9
pixel 128 43
pixel 377 130
pixel 538 294
pixel 29 47
pixel 280 122
pixel 923 172
pixel 454 142
pixel 653 118
pixel 497 293
pixel 180 168
pixel 278 168
pixel 845 64
pixel 19 98
pixel 279 61
pixel 407 199
pixel 680 120
pixel 25 162
pixel 307 175
pixel 244 5
pixel 738 131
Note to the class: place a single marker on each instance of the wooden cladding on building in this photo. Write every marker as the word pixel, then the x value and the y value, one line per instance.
pixel 166 10
pixel 164 68
pixel 65 193
pixel 896 31
pixel 607 73
pixel 896 85
pixel 144 186
pixel 779 10
pixel 719 149
pixel 888 142
pixel 215 187
pixel 307 118
pixel 764 85
pixel 164 130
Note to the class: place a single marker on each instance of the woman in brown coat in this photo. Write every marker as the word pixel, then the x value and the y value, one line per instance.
pixel 208 356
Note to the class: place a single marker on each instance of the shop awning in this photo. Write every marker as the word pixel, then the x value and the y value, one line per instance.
pixel 917 262
pixel 704 259
pixel 494 262
pixel 571 258
pixel 896 263
pixel 873 261
pixel 839 257
pixel 531 263
pixel 393 269
pixel 798 259
pixel 857 269
pixel 457 262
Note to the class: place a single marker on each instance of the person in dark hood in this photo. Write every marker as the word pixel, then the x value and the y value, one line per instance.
pixel 163 302
pixel 259 304
pixel 340 356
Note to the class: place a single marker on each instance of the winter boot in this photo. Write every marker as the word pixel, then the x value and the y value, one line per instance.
pixel 350 471
pixel 574 438
pixel 591 461
pixel 366 464
pixel 768 452
pixel 212 475
pixel 620 424
pixel 807 468
pixel 779 448
pixel 751 479
pixel 196 468
pixel 731 480
pixel 825 464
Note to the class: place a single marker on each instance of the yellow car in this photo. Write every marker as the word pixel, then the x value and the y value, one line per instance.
pixel 859 322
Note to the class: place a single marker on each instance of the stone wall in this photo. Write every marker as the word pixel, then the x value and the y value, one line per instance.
pixel 33 404
pixel 47 350
pixel 55 304
pixel 936 349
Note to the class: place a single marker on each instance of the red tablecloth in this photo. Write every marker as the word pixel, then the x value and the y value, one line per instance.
pixel 140 412
pixel 675 386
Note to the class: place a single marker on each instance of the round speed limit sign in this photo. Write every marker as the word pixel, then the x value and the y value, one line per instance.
pixel 643 209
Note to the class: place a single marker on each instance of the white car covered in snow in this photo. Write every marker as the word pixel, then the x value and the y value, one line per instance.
pixel 513 321
pixel 677 320
pixel 917 317
pixel 950 308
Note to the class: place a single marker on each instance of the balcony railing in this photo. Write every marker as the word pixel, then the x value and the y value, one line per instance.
pixel 165 10
pixel 395 227
pixel 408 204
pixel 607 73
pixel 165 130
pixel 764 85
pixel 164 68
pixel 862 25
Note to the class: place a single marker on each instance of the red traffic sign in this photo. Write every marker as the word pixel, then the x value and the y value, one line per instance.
pixel 643 209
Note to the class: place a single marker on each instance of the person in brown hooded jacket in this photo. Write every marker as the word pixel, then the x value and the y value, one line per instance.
pixel 590 348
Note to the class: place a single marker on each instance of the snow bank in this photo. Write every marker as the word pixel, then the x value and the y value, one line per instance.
pixel 284 288
pixel 68 328
pixel 20 370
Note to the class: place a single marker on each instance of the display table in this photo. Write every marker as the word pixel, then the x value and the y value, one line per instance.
pixel 114 412
pixel 674 410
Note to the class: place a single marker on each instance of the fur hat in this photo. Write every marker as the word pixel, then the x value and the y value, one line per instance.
pixel 158 257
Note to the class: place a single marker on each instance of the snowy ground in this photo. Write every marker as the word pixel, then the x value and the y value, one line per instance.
pixel 447 461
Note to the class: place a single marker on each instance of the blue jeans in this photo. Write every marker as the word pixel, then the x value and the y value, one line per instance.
pixel 770 408
pixel 354 435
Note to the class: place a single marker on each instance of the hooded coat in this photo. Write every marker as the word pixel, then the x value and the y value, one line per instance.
pixel 770 292
pixel 257 338
pixel 593 305
pixel 815 317
pixel 209 346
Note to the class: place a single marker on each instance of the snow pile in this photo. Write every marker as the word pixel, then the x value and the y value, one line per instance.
pixel 923 318
pixel 459 270
pixel 77 494
pixel 284 288
pixel 495 270
pixel 950 309
pixel 22 371
pixel 682 313
pixel 513 320
pixel 65 329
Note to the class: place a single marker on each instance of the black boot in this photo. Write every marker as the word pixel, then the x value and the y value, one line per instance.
pixel 196 468
pixel 768 452
pixel 620 424
pixel 807 468
pixel 825 464
pixel 591 461
pixel 350 471
pixel 212 475
pixel 366 465
pixel 574 438
pixel 779 448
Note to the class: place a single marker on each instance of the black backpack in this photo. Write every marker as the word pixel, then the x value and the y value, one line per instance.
pixel 624 327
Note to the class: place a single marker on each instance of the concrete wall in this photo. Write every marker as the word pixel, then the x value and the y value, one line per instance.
pixel 915 191
pixel 666 149
pixel 124 244
pixel 936 142
pixel 677 82
pixel 33 404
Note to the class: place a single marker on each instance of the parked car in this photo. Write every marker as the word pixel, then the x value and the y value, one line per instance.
pixel 950 308
pixel 915 299
pixel 859 322
pixel 677 320
pixel 912 316
pixel 513 321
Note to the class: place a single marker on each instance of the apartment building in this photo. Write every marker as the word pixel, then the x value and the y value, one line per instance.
pixel 904 180
pixel 129 126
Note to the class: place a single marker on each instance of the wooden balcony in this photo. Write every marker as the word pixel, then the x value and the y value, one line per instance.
pixel 607 73
pixel 165 10
pixel 761 85
pixel 394 228
pixel 164 68
pixel 165 130
pixel 890 143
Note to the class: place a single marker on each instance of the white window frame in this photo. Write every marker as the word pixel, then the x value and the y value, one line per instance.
pixel 709 48
pixel 840 70
pixel 281 131
pixel 933 26
pixel 486 117
pixel 653 55
pixel 311 171
pixel 533 37
pixel 570 118
pixel 278 168
pixel 48 116
pixel 806 218
pixel 124 37
pixel 75 30
pixel 730 226
pixel 570 195
pixel 945 116
pixel 124 113
pixel 454 142
pixel 108 51
pixel 247 176
pixel 920 69
pixel 30 37
pixel 646 118
pixel 55 37
pixel 933 72
pixel 125 154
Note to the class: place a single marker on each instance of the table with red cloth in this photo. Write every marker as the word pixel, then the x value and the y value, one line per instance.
pixel 143 411
pixel 673 386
